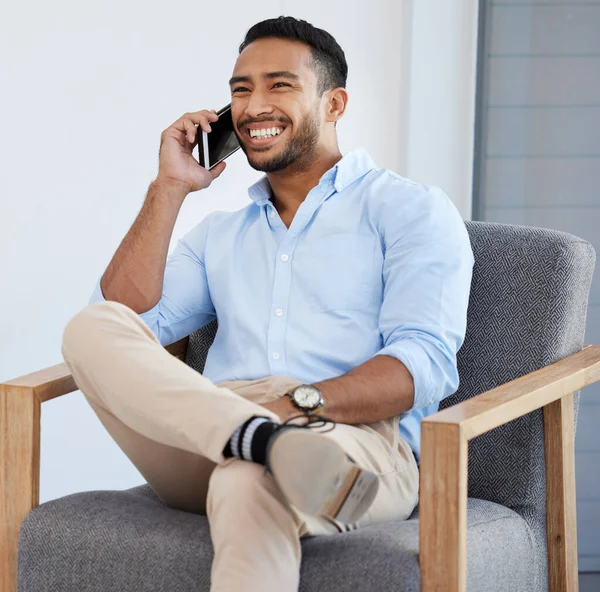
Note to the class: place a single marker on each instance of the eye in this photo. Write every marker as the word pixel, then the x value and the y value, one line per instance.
pixel 239 88
pixel 284 83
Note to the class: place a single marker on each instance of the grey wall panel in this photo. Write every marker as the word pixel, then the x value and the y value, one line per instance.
pixel 544 2
pixel 588 526
pixel 544 81
pixel 542 182
pixel 544 131
pixel 592 329
pixel 538 164
pixel 588 423
pixel 587 467
pixel 590 397
pixel 545 29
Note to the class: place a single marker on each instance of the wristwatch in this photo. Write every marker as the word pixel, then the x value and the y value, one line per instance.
pixel 308 398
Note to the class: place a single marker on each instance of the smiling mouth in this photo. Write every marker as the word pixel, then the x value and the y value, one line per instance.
pixel 264 140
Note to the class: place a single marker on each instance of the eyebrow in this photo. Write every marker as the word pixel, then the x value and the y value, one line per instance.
pixel 266 76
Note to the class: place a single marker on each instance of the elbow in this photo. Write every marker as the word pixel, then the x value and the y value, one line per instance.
pixel 442 379
pixel 432 364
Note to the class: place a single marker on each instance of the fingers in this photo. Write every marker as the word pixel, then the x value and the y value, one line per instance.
pixel 216 171
pixel 187 123
pixel 201 118
pixel 189 128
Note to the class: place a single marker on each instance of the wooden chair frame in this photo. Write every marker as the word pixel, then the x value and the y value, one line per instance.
pixel 443 471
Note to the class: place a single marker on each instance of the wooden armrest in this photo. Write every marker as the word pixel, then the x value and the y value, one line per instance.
pixel 518 397
pixel 444 461
pixel 179 348
pixel 56 381
pixel 45 384
pixel 20 410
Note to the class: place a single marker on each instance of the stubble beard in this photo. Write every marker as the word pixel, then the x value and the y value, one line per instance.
pixel 300 150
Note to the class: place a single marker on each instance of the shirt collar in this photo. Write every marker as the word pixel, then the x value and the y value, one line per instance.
pixel 352 166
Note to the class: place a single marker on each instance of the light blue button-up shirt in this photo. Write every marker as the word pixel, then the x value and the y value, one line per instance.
pixel 372 264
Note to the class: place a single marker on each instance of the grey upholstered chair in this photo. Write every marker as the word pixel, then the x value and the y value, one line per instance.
pixel 526 314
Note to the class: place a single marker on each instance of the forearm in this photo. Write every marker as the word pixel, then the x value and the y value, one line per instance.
pixel 380 388
pixel 135 274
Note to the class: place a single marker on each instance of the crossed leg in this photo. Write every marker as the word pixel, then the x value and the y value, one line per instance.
pixel 173 424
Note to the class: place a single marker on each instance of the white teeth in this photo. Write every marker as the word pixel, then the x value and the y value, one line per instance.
pixel 266 133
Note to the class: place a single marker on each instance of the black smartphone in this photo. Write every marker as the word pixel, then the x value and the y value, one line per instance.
pixel 220 143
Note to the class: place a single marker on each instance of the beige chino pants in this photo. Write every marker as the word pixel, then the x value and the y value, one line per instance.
pixel 173 423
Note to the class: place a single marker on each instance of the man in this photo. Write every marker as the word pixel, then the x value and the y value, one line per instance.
pixel 341 294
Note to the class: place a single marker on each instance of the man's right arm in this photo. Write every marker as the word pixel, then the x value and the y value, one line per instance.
pixel 181 301
pixel 135 275
pixel 172 296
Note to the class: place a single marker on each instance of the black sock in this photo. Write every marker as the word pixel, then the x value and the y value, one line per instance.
pixel 249 441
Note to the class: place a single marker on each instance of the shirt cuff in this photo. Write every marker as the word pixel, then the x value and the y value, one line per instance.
pixel 430 383
pixel 97 295
pixel 150 317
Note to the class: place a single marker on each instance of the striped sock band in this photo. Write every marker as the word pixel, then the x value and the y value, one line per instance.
pixel 246 437
pixel 249 441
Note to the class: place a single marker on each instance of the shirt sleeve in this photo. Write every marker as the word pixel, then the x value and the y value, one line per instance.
pixel 427 272
pixel 185 304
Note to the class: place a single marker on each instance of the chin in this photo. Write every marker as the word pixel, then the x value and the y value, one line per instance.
pixel 265 163
pixel 263 167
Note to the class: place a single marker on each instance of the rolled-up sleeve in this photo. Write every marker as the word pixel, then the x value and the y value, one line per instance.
pixel 427 272
pixel 185 304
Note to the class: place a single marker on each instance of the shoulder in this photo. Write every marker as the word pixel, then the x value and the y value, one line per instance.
pixel 393 190
pixel 221 223
pixel 230 220
pixel 401 204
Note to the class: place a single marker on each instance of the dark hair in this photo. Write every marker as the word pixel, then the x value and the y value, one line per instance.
pixel 329 60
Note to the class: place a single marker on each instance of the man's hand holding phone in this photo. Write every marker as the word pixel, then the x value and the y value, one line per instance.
pixel 177 165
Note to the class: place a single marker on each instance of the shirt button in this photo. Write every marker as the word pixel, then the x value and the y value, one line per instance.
pixel 275 356
pixel 272 214
pixel 284 257
pixel 279 312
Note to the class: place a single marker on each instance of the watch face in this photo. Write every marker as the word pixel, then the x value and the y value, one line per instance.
pixel 307 396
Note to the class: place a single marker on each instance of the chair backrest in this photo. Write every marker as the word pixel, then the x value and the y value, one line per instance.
pixel 527 309
pixel 199 344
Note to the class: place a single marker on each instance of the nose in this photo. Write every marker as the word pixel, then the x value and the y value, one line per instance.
pixel 257 105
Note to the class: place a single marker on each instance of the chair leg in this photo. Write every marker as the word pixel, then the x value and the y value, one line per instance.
pixel 19 472
pixel 443 508
pixel 561 519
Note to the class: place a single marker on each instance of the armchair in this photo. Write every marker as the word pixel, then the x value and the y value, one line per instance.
pixel 497 500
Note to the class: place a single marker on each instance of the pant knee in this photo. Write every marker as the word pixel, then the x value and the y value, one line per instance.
pixel 237 477
pixel 82 328
pixel 240 483
pixel 240 495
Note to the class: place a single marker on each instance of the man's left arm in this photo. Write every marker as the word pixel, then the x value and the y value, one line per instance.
pixel 427 272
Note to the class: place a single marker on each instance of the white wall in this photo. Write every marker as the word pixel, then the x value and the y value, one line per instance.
pixel 439 125
pixel 87 90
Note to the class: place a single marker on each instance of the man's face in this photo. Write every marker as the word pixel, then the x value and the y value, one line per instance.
pixel 274 86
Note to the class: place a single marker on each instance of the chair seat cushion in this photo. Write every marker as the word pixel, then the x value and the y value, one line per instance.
pixel 129 541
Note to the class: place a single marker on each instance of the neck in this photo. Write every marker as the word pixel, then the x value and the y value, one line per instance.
pixel 291 186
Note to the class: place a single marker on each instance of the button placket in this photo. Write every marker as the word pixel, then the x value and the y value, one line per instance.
pixel 281 294
pixel 282 278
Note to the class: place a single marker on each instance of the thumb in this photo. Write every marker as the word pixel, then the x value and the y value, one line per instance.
pixel 216 171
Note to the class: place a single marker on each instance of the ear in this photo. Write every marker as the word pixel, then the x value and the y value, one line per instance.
pixel 336 104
